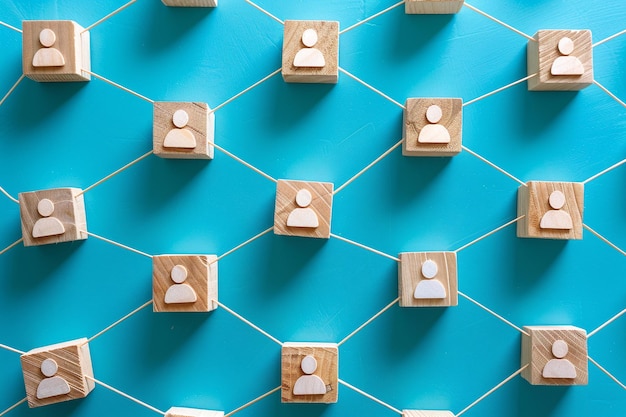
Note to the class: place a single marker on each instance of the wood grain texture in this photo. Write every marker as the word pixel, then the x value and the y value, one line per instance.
pixel 327 44
pixel 327 357
pixel 322 193
pixel 427 413
pixel 74 361
pixel 190 3
pixel 410 275
pixel 201 124
pixel 432 6
pixel 537 351
pixel 415 120
pixel 533 203
pixel 543 52
pixel 73 44
pixel 192 412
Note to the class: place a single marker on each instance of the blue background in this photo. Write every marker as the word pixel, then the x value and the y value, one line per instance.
pixel 56 135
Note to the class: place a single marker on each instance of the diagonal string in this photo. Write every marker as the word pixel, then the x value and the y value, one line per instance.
pixel 360 245
pixel 241 245
pixel 249 323
pixel 500 22
pixel 12 245
pixel 605 240
pixel 241 161
pixel 19 80
pixel 606 323
pixel 112 242
pixel 374 317
pixel 9 196
pixel 606 372
pixel 261 81
pixel 108 177
pixel 496 91
pixel 129 315
pixel 493 313
pixel 10 349
pixel 121 87
pixel 491 164
pixel 265 11
pixel 609 38
pixel 486 235
pixel 377 91
pixel 371 397
pixel 609 169
pixel 382 12
pixel 113 13
pixel 17 404
pixel 123 394
pixel 10 27
pixel 606 90
pixel 248 404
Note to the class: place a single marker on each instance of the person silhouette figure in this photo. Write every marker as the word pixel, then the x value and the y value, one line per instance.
pixel 180 293
pixel 303 216
pixel 565 64
pixel 181 136
pixel 47 225
pixel 309 56
pixel 52 385
pixel 434 132
pixel 429 288
pixel 309 384
pixel 48 56
pixel 559 367
pixel 556 218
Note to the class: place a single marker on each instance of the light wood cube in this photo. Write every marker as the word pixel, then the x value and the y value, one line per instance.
pixel 557 355
pixel 309 372
pixel 428 279
pixel 52 216
pixel 190 3
pixel 427 413
pixel 303 208
pixel 55 50
pixel 183 130
pixel 192 412
pixel 311 51
pixel 57 373
pixel 432 127
pixel 563 60
pixel 184 283
pixel 551 210
pixel 432 6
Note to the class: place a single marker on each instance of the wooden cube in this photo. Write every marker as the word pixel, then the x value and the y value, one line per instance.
pixel 551 210
pixel 183 130
pixel 562 60
pixel 55 50
pixel 556 355
pixel 432 127
pixel 190 3
pixel 192 412
pixel 184 283
pixel 311 51
pixel 57 373
pixel 303 208
pixel 52 216
pixel 427 413
pixel 428 279
pixel 309 372
pixel 432 6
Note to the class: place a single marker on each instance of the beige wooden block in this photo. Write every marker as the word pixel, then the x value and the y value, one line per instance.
pixel 432 127
pixel 183 130
pixel 432 6
pixel 309 372
pixel 57 373
pixel 52 216
pixel 311 51
pixel 190 3
pixel 428 279
pixel 184 283
pixel 551 210
pixel 556 355
pixel 427 413
pixel 563 60
pixel 55 50
pixel 192 412
pixel 303 208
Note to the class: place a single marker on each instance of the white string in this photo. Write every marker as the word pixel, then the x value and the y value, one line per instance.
pixel 606 90
pixel 17 404
pixel 121 87
pixel 241 245
pixel 113 13
pixel 371 397
pixel 380 93
pixel 9 348
pixel 123 394
pixel 265 11
pixel 493 313
pixel 10 27
pixel 248 404
pixel 132 313
pixel 19 80
pixel 249 323
pixel 606 372
pixel 485 160
pixel 374 317
pixel 606 323
pixel 605 240
pixel 108 177
pixel 261 81
pixel 241 161
pixel 609 169
pixel 400 3
pixel 519 32
pixel 609 38
pixel 486 235
pixel 514 83
pixel 352 242
pixel 9 196
pixel 12 245
pixel 117 244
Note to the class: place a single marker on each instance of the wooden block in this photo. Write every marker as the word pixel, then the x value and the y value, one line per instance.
pixel 551 210
pixel 311 51
pixel 183 130
pixel 184 283
pixel 432 6
pixel 55 50
pixel 52 216
pixel 56 373
pixel 427 413
pixel 432 127
pixel 190 3
pixel 563 60
pixel 557 355
pixel 303 208
pixel 192 412
pixel 309 372
pixel 428 279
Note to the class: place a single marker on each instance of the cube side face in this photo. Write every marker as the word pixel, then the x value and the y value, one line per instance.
pixel 327 357
pixel 327 44
pixel 69 211
pixel 415 120
pixel 533 202
pixel 320 208
pixel 537 353
pixel 432 6
pixel 199 282
pixel 544 52
pixel 190 3
pixel 427 413
pixel 410 277
pixel 192 412
pixel 194 137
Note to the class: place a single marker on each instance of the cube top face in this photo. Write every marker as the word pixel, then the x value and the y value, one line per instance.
pixel 432 6
pixel 303 208
pixel 52 216
pixel 427 413
pixel 184 283
pixel 190 3
pixel 432 127
pixel 428 279
pixel 309 372
pixel 311 51
pixel 563 60
pixel 192 412
pixel 183 130
pixel 55 50
pixel 56 373
pixel 557 355
pixel 551 210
